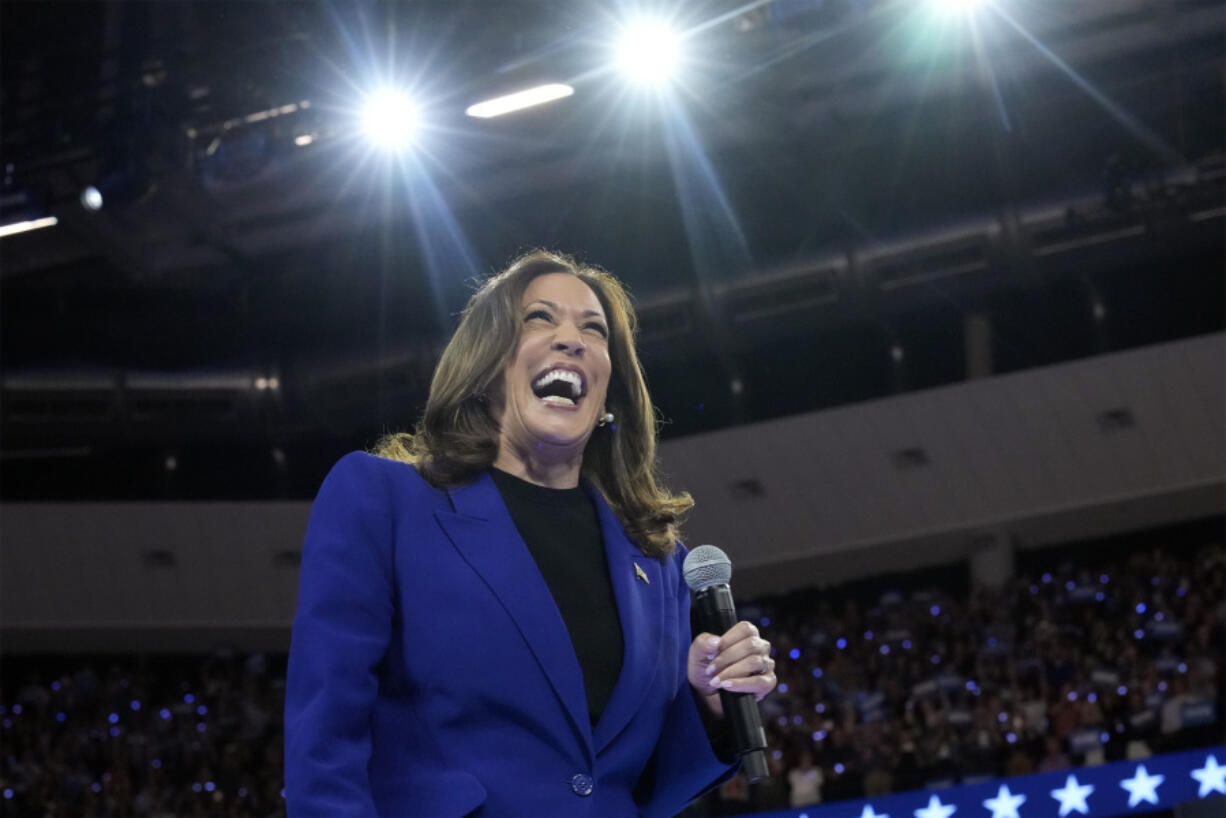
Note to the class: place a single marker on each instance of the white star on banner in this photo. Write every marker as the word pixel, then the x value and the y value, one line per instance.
pixel 1072 796
pixel 867 812
pixel 936 809
pixel 1212 777
pixel 1142 787
pixel 1005 804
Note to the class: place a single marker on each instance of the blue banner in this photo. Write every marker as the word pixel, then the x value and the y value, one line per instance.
pixel 1120 788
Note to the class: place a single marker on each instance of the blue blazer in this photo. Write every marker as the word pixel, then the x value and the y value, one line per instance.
pixel 431 674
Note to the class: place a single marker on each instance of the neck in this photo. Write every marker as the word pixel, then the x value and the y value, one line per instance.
pixel 553 470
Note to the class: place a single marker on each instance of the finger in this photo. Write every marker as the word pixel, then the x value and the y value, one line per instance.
pixel 759 685
pixel 739 631
pixel 752 665
pixel 707 645
pixel 729 655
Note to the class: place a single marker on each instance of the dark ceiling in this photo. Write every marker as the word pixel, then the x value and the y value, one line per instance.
pixel 831 204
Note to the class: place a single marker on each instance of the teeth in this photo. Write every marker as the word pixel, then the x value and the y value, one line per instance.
pixel 576 385
pixel 558 399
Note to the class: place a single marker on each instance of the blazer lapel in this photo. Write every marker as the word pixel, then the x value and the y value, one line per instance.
pixel 638 587
pixel 483 532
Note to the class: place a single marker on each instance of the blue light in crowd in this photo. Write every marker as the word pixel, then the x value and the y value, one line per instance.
pixel 797 721
pixel 1093 697
pixel 1155 582
pixel 1122 690
pixel 906 644
pixel 783 721
pixel 842 643
pixel 1070 585
pixel 201 710
pixel 189 699
pixel 1181 591
pixel 209 786
pixel 1104 737
pixel 936 658
pixel 1183 667
pixel 61 717
pixel 113 718
pixel 1139 633
pixel 817 673
pixel 96 787
pixel 992 641
pixel 1158 617
pixel 821 707
pixel 868 636
pixel 242 792
pixel 1046 578
pixel 1162 686
pixel 8 793
pixel 839 768
pixel 765 621
pixel 157 764
pixel 775 754
pixel 1119 727
pixel 885 650
pixel 783 687
pixel 201 727
pixel 7 723
pixel 818 735
pixel 114 732
pixel 135 705
pixel 196 786
pixel 16 710
pixel 1011 738
pixel 970 685
pixel 1002 717
pixel 935 610
pixel 165 714
pixel 794 653
pixel 1140 607
pixel 1100 596
pixel 1034 589
pixel 55 685
pixel 1072 695
pixel 1104 579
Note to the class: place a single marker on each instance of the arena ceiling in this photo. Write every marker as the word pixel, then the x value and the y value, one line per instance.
pixel 807 216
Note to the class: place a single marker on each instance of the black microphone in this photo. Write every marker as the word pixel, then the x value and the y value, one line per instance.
pixel 707 570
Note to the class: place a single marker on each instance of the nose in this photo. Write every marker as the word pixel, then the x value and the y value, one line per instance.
pixel 569 339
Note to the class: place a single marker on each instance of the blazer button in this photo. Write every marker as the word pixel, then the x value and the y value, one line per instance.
pixel 582 784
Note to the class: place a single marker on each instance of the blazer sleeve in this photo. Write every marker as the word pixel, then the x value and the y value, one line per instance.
pixel 684 764
pixel 340 634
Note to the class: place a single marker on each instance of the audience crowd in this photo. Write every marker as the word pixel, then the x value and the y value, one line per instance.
pixel 1082 662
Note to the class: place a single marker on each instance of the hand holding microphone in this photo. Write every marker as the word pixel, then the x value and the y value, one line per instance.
pixel 729 663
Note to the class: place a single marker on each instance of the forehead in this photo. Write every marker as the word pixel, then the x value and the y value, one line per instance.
pixel 564 290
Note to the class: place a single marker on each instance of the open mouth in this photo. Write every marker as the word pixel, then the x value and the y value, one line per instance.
pixel 563 387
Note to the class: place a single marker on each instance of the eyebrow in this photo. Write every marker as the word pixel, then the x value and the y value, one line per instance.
pixel 553 306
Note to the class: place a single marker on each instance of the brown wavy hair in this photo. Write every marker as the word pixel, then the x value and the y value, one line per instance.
pixel 456 438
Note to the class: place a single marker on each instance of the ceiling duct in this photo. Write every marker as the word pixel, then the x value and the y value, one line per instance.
pixel 775 294
pixel 918 263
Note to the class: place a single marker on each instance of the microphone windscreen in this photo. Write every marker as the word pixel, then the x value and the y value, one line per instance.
pixel 706 565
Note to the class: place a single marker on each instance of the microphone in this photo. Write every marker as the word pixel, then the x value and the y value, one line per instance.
pixel 707 570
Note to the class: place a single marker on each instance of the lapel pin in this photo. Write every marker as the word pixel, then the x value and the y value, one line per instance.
pixel 638 572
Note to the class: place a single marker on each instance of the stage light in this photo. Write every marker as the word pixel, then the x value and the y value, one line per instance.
pixel 24 226
pixel 390 119
pixel 956 7
pixel 91 198
pixel 519 100
pixel 649 52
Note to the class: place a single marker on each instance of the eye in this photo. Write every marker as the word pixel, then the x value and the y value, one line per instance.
pixel 538 314
pixel 598 328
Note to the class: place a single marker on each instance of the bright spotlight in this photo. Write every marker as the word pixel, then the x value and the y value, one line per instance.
pixel 951 8
pixel 390 119
pixel 91 198
pixel 519 100
pixel 649 52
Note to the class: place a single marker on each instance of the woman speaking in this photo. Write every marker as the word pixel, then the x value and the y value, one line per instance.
pixel 491 615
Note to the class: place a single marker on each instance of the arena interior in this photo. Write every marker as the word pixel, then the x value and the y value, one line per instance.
pixel 931 301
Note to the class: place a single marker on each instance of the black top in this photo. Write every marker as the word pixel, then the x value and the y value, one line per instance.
pixel 562 531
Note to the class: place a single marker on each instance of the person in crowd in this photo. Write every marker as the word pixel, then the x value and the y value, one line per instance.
pixel 491 616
